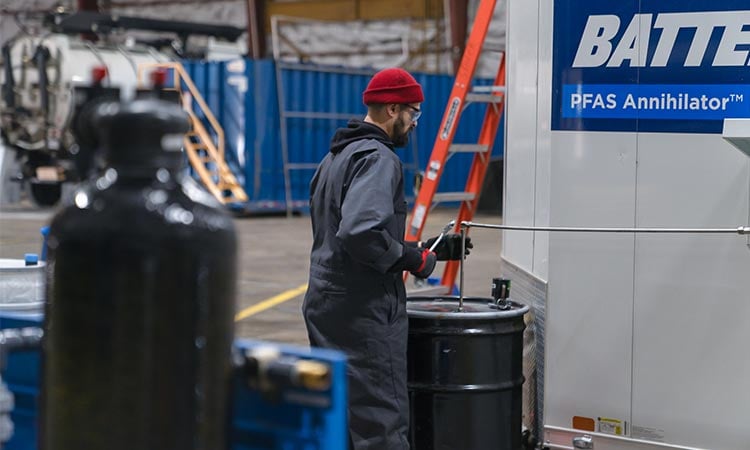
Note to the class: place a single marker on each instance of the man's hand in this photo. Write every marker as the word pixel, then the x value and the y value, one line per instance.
pixel 449 248
pixel 429 259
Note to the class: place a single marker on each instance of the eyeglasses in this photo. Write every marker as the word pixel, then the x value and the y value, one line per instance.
pixel 415 113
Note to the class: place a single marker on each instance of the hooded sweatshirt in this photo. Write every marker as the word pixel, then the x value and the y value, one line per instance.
pixel 358 193
pixel 357 130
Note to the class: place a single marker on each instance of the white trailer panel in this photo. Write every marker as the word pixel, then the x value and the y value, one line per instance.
pixel 615 113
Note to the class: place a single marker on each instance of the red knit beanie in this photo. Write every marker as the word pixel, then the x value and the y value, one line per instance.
pixel 392 85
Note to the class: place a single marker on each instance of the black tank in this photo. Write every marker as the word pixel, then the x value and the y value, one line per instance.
pixel 140 298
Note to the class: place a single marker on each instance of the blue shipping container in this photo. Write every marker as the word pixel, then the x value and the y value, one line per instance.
pixel 244 97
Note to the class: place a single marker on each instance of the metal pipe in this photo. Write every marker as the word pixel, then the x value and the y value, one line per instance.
pixel 86 21
pixel 319 115
pixel 461 268
pixel 91 6
pixel 457 12
pixel 404 58
pixel 619 441
pixel 275 39
pixel 9 87
pixel 319 68
pixel 88 5
pixel 465 225
pixel 741 230
pixel 284 140
pixel 440 237
pixel 256 28
pixel 41 56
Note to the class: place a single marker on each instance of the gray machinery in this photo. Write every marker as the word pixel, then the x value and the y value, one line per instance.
pixel 40 73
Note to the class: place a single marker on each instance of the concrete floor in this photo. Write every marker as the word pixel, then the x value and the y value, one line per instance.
pixel 274 261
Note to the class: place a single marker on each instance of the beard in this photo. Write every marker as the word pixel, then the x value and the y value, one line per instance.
pixel 400 136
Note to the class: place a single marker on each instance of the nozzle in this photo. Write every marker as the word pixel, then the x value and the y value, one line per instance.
pixel 501 292
pixel 313 375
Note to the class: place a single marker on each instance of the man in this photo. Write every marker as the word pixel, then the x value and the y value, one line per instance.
pixel 356 301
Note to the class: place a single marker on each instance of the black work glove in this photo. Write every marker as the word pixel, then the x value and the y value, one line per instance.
pixel 428 261
pixel 449 248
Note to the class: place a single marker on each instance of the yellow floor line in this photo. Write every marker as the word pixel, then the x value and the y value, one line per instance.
pixel 270 303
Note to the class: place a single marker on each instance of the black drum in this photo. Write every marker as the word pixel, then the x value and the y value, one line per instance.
pixel 465 373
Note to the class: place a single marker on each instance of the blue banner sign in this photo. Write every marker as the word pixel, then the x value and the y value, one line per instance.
pixel 650 65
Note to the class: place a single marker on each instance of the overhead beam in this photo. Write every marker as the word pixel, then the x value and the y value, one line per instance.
pixel 458 11
pixel 344 10
pixel 399 9
pixel 256 29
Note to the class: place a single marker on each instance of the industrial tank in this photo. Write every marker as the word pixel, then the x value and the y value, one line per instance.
pixel 140 297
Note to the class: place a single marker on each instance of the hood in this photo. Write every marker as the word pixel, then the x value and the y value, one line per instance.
pixel 357 130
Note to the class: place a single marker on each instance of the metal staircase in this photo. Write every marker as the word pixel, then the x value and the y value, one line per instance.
pixel 203 146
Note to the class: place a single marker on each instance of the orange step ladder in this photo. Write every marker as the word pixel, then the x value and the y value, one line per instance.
pixel 461 96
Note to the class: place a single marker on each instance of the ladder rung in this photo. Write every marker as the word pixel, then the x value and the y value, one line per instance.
pixel 483 98
pixel 453 197
pixel 317 115
pixel 488 89
pixel 298 166
pixel 427 290
pixel 468 148
pixel 235 199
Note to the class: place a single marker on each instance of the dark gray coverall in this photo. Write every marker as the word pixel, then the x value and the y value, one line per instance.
pixel 356 300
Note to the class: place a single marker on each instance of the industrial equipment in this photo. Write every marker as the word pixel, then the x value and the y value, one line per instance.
pixel 140 294
pixel 22 284
pixel 41 72
pixel 295 400
pixel 137 332
pixel 616 113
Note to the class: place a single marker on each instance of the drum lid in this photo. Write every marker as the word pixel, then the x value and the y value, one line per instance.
pixel 447 307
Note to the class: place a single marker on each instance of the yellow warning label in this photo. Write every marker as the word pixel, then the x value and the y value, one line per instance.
pixel 609 425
